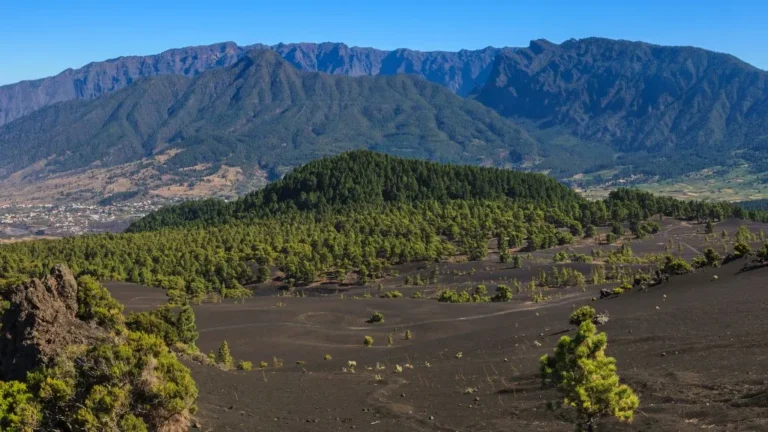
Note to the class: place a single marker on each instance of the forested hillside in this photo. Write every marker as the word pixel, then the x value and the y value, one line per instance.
pixel 461 72
pixel 361 179
pixel 664 110
pixel 262 113
pixel 358 213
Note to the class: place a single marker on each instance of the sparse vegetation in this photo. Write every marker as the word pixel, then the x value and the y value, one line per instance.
pixel 368 341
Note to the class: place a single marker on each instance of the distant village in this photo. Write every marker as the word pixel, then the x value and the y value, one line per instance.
pixel 62 220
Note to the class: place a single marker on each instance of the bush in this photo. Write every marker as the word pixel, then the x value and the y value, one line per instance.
pixel 590 231
pixel 368 341
pixel 452 296
pixel 503 294
pixel 392 294
pixel 104 386
pixel 674 266
pixel 244 365
pixel 417 295
pixel 582 314
pixel 18 409
pixel 327 357
pixel 741 250
pixel 165 323
pixel 617 291
pixel 377 317
pixel 587 378
pixel 263 365
pixel 95 304
pixel 224 357
pixel 408 335
pixel 713 258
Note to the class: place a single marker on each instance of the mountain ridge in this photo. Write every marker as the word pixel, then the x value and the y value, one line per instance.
pixel 641 98
pixel 261 112
pixel 460 71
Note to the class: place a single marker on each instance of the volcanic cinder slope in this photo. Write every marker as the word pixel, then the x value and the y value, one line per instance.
pixel 693 349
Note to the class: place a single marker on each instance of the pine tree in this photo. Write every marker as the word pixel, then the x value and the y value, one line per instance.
pixel 224 357
pixel 186 327
pixel 587 378
pixel 263 274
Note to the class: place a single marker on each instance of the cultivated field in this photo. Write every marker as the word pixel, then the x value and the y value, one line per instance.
pixel 695 349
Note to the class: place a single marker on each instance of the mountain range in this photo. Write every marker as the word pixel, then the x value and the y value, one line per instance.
pixel 261 113
pixel 461 72
pixel 616 108
pixel 664 110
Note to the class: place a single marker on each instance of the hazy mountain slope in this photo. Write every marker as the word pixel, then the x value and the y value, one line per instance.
pixel 262 112
pixel 650 100
pixel 99 78
pixel 459 71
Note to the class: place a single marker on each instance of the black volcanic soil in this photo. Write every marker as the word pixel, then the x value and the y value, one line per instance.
pixel 695 349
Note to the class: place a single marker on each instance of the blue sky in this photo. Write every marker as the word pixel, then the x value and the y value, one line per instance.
pixel 42 38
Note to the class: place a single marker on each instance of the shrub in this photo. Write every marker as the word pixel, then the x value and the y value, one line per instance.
pixel 699 262
pixel 674 266
pixel 263 365
pixel 417 295
pixel 223 356
pixel 709 228
pixel 617 291
pixel 124 376
pixel 560 257
pixel 18 409
pixel 408 335
pixel 741 249
pixel 590 231
pixel 503 294
pixel 504 256
pixel 712 257
pixel 480 294
pixel 377 317
pixel 368 341
pixel 327 357
pixel 392 294
pixel 587 378
pixel 95 304
pixel 453 296
pixel 244 365
pixel 165 323
pixel 582 314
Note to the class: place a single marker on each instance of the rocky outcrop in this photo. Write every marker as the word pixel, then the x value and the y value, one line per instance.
pixel 40 322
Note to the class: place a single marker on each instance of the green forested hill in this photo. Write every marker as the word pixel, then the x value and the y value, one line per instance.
pixel 356 212
pixel 362 178
pixel 262 112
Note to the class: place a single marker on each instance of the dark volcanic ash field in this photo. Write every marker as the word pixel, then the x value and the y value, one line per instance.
pixel 695 349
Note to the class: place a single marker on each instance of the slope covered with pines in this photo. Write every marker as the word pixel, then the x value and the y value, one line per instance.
pixel 262 113
pixel 360 179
